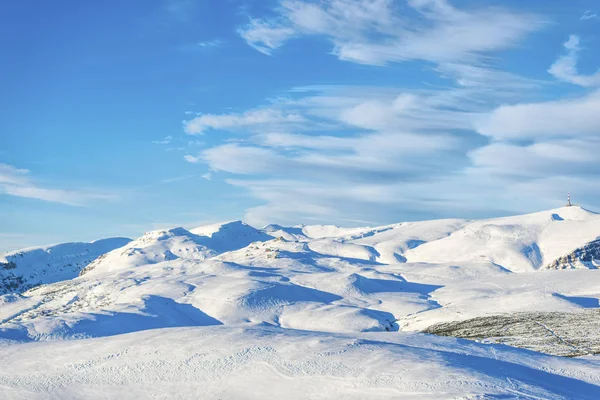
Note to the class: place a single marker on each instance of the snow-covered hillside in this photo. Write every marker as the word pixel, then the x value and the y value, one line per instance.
pixel 519 244
pixel 23 269
pixel 266 362
pixel 322 308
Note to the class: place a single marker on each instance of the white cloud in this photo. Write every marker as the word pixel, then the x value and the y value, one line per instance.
pixel 366 166
pixel 391 140
pixel 472 192
pixel 210 43
pixel 165 140
pixel 191 159
pixel 16 182
pixel 317 142
pixel 200 46
pixel 572 43
pixel 263 117
pixel 478 143
pixel 561 118
pixel 264 36
pixel 565 68
pixel 588 15
pixel 365 158
pixel 480 76
pixel 378 144
pixel 238 159
pixel 557 157
pixel 374 31
pixel 405 112
pixel 393 110
pixel 10 175
pixel 178 178
pixel 305 201
pixel 292 201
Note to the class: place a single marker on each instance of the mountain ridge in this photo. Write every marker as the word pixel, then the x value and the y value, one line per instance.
pixel 323 301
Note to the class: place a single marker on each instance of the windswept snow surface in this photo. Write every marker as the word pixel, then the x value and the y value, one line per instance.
pixel 309 312
pixel 265 362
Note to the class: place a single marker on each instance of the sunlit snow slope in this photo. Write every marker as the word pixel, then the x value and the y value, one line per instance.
pixel 319 308
pixel 22 269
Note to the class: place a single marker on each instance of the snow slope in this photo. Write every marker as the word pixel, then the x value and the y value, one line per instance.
pixel 177 243
pixel 263 362
pixel 309 311
pixel 520 244
pixel 22 269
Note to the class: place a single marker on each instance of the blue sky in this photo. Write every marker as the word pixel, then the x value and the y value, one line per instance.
pixel 120 117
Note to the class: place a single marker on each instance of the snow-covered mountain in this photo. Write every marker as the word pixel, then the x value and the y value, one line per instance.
pixel 519 244
pixel 177 243
pixel 587 256
pixel 26 268
pixel 244 298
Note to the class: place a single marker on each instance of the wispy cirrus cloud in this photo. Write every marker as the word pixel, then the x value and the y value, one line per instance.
pixel 409 153
pixel 261 117
pixel 572 117
pixel 568 157
pixel 165 140
pixel 478 142
pixel 589 14
pixel 210 43
pixel 201 46
pixel 178 178
pixel 17 182
pixel 375 32
pixel 373 139
pixel 265 36
pixel 565 68
pixel 368 158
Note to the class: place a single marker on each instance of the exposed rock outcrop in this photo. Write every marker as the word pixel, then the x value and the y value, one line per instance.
pixel 587 256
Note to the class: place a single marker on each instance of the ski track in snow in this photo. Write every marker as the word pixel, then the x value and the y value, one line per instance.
pixel 556 335
pixel 230 311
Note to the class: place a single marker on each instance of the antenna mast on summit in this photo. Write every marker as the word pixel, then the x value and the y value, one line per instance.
pixel 569 200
